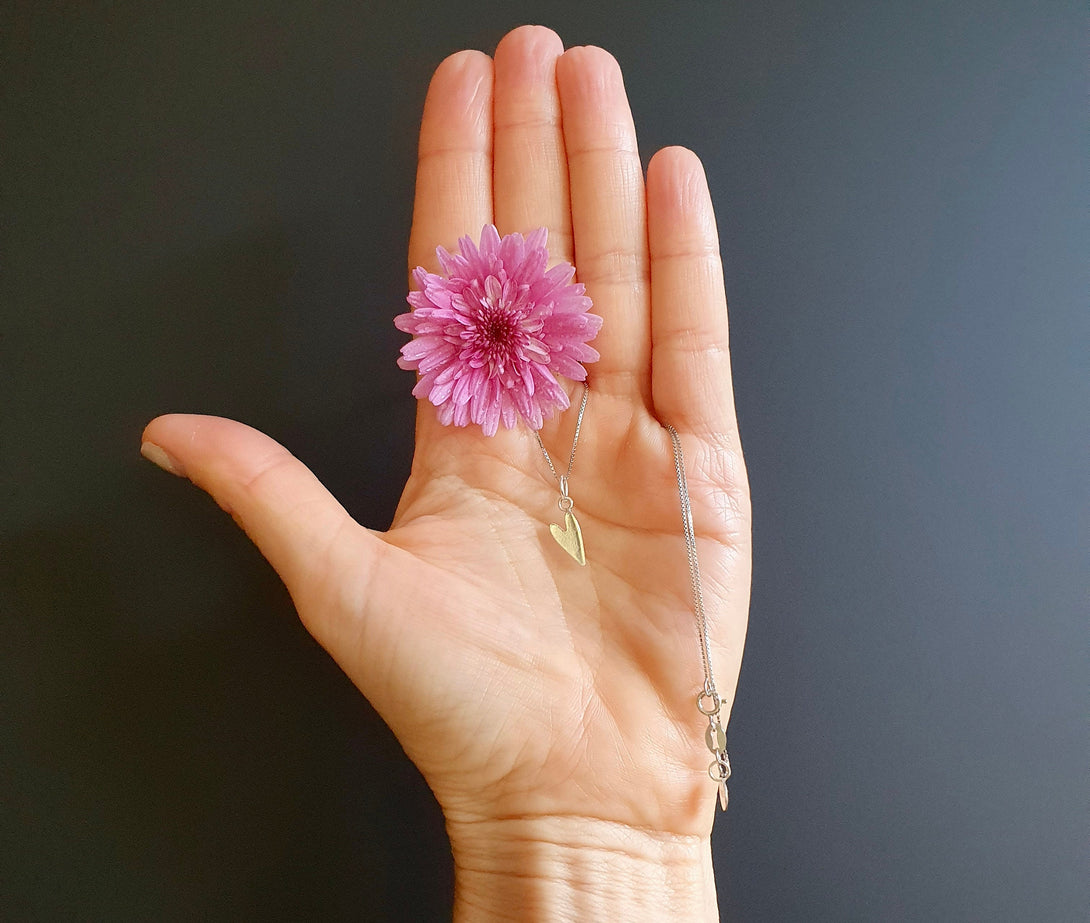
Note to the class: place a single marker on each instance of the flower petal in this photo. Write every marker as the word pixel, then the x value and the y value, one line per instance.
pixel 492 332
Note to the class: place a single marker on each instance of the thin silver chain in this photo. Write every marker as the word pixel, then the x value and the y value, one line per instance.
pixel 708 701
pixel 563 479
pixel 694 561
pixel 715 736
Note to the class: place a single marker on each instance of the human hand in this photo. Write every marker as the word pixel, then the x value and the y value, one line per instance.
pixel 550 707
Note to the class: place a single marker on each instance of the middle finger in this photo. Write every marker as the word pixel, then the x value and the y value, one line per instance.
pixel 530 173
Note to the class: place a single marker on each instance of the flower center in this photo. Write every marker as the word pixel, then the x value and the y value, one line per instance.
pixel 497 328
pixel 497 333
pixel 497 338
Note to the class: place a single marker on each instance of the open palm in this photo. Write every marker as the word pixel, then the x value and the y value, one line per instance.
pixel 522 684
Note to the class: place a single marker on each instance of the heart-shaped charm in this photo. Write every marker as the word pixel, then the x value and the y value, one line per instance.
pixel 570 538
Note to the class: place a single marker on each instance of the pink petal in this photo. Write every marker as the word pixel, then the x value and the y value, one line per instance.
pixel 508 412
pixel 495 375
pixel 568 367
pixel 421 346
pixel 490 241
pixel 463 390
pixel 440 392
pixel 423 390
pixel 537 239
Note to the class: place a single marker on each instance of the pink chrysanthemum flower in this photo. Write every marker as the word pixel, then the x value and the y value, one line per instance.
pixel 490 337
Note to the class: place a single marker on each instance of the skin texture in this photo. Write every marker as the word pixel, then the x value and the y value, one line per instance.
pixel 550 707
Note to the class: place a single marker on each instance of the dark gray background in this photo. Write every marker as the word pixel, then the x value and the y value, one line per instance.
pixel 207 210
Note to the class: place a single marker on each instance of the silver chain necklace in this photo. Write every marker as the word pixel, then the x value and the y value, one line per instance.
pixel 570 538
pixel 708 700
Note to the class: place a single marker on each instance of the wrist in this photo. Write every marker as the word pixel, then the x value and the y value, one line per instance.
pixel 579 868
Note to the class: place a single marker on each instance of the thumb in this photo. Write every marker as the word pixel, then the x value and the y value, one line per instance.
pixel 305 534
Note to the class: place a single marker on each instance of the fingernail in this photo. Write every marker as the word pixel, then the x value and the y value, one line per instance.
pixel 162 458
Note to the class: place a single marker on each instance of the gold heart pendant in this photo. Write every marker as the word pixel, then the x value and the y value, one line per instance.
pixel 570 538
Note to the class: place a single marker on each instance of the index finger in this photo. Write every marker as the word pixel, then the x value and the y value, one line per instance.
pixel 454 171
